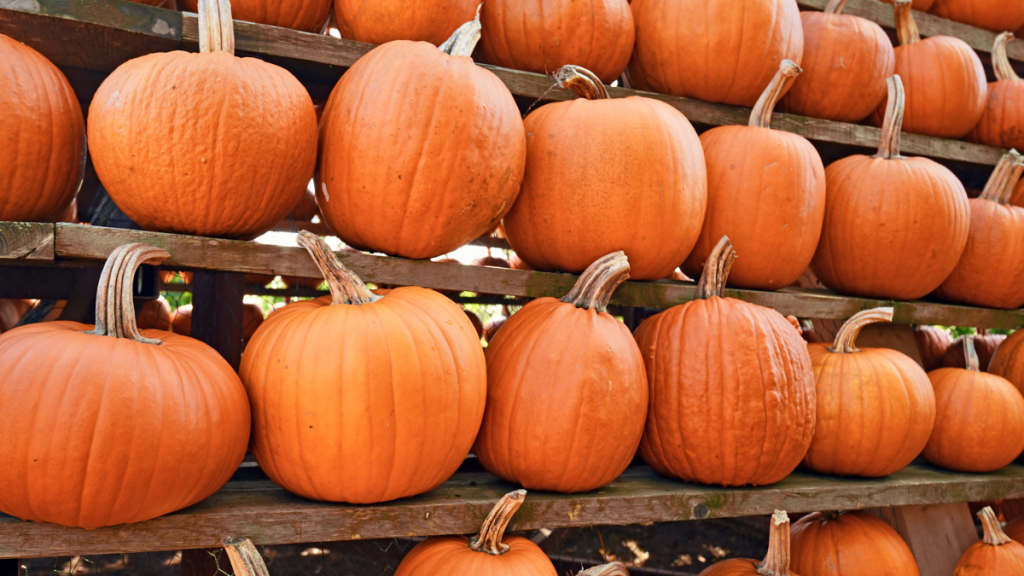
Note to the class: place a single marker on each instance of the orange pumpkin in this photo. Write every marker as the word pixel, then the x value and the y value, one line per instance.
pixel 979 419
pixel 994 15
pixel 136 425
pixel 325 376
pixel 1015 530
pixel 304 15
pixel 994 554
pixel 544 36
pixel 560 375
pixel 894 227
pixel 849 544
pixel 775 563
pixel 380 21
pixel 876 407
pixel 932 344
pixel 252 317
pixel 42 136
pixel 1007 360
pixel 489 552
pixel 985 346
pixel 168 276
pixel 604 175
pixel 780 178
pixel 207 144
pixel 732 397
pixel 846 61
pixel 154 314
pixel 11 311
pixel 388 181
pixel 713 50
pixel 945 81
pixel 1002 122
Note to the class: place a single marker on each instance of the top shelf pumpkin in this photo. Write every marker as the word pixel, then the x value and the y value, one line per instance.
pixel 304 15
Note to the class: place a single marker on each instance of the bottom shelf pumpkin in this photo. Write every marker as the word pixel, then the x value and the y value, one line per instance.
pixel 995 554
pixel 154 314
pixel 775 563
pixel 849 544
pixel 932 344
pixel 1008 361
pixel 985 346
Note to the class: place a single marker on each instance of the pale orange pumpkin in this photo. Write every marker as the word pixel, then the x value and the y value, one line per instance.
pixel 1008 360
pixel 381 21
pixel 994 15
pixel 849 544
pixel 996 554
pixel 1002 122
pixel 304 15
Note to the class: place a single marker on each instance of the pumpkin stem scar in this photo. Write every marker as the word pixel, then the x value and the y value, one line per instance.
pixel 216 28
pixel 970 353
pixel 835 7
pixel 716 270
pixel 906 28
pixel 245 559
pixel 889 142
pixel 345 286
pixel 993 532
pixel 611 569
pixel 776 562
pixel 463 41
pixel 583 82
pixel 493 529
pixel 845 342
pixel 1000 185
pixel 598 282
pixel 115 309
pixel 761 115
pixel 1000 61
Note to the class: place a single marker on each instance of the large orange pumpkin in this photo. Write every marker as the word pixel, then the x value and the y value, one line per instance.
pixel 713 50
pixel 560 375
pixel 731 387
pixel 776 562
pixel 876 407
pixel 994 554
pixel 849 544
pixel 490 552
pixel 846 61
pixel 994 15
pixel 1002 122
pixel 1008 360
pixel 380 21
pixel 304 15
pixel 985 346
pixel 207 143
pixel 544 36
pixel 604 175
pixel 106 425
pixel 894 227
pixel 42 136
pixel 946 87
pixel 363 399
pixel 932 344
pixel 419 177
pixel 979 418
pixel 779 181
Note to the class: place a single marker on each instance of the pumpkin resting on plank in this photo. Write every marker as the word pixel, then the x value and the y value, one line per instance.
pixel 995 554
pixel 849 544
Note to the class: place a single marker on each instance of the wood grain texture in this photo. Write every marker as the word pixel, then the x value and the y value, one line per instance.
pixel 937 534
pixel 26 241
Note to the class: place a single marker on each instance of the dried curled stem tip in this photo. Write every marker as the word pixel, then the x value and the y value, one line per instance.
pixel 463 41
pixel 244 557
pixel 845 342
pixel 1000 61
pixel 583 82
pixel 971 354
pixel 489 540
pixel 115 308
pixel 776 562
pixel 610 569
pixel 993 532
pixel 716 270
pixel 1004 178
pixel 889 143
pixel 761 115
pixel 598 282
pixel 345 286
pixel 906 28
pixel 835 7
pixel 216 28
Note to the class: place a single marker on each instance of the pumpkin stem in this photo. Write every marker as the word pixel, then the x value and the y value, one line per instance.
pixel 489 540
pixel 835 7
pixel 1000 185
pixel 345 286
pixel 245 559
pixel 776 562
pixel 889 144
pixel 115 309
pixel 216 28
pixel 847 336
pixel 1000 61
pixel 971 354
pixel 463 41
pixel 761 115
pixel 906 28
pixel 611 569
pixel 598 282
pixel 993 532
pixel 583 82
pixel 716 270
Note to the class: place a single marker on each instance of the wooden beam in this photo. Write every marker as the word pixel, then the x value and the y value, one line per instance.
pixel 26 241
pixel 937 534
pixel 217 312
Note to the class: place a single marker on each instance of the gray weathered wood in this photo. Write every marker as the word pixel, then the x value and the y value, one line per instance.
pixel 26 241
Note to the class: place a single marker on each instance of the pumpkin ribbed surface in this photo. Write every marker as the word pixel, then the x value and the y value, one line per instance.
pixel 849 544
pixel 451 556
pixel 380 21
pixel 990 272
pixel 304 15
pixel 995 554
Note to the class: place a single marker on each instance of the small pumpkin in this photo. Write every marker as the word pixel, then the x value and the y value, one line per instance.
pixel 303 15
pixel 743 369
pixel 604 175
pixel 985 345
pixel 168 276
pixel 994 15
pixel 849 544
pixel 932 343
pixel 979 418
pixel 846 61
pixel 780 178
pixel 1002 123
pixel 994 554
pixel 775 563
pixel 894 227
pixel 560 375
pixel 381 21
pixel 406 369
pixel 11 311
pixel 162 417
pixel 252 317
pixel 388 181
pixel 1008 361
pixel 154 314
pixel 727 51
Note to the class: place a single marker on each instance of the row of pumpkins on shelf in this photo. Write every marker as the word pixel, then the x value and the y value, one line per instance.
pixel 421 151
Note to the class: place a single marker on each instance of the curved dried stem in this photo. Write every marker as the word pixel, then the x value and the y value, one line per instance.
pixel 345 286
pixel 1004 178
pixel 493 529
pixel 845 342
pixel 993 532
pixel 216 29
pixel 583 82
pixel 1000 61
pixel 115 309
pixel 776 562
pixel 610 569
pixel 716 270
pixel 971 354
pixel 244 558
pixel 761 115
pixel 906 28
pixel 835 7
pixel 889 143
pixel 463 41
pixel 598 282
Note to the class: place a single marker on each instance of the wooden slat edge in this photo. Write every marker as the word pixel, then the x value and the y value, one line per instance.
pixel 26 241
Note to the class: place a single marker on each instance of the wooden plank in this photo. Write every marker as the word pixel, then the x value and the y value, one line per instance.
pixel 217 312
pixel 937 534
pixel 26 241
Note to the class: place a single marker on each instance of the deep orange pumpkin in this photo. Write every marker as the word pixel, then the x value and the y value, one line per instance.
pixel 380 21
pixel 894 227
pixel 1002 122
pixel 775 563
pixel 985 346
pixel 304 15
pixel 1008 360
pixel 932 344
pixel 489 552
pixel 155 315
pixel 207 144
pixel 994 554
pixel 979 419
pixel 42 136
pixel 732 397
pixel 994 15
pixel 121 426
pixel 252 317
pixel 168 276
pixel 560 375
pixel 849 544
pixel 779 180
pixel 604 175
pixel 713 50
pixel 325 376
pixel 846 61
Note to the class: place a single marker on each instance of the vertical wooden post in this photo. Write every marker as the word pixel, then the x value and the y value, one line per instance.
pixel 10 567
pixel 217 312
pixel 203 562
pixel 937 535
